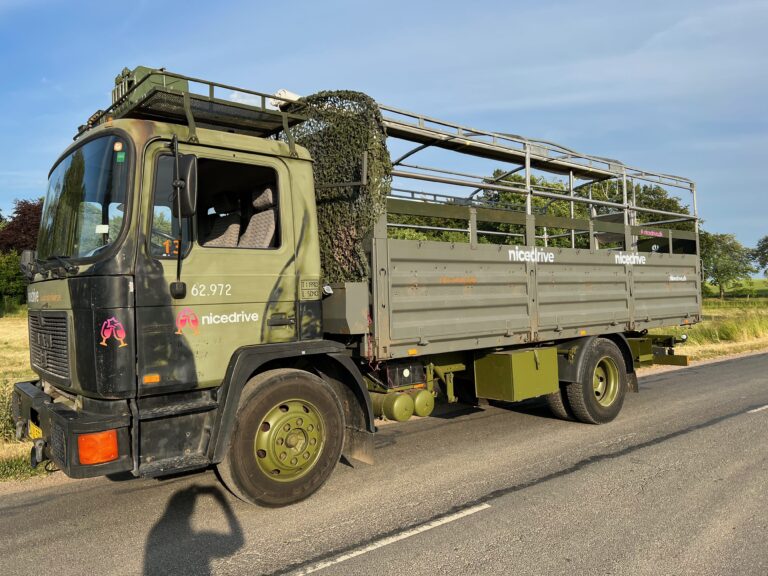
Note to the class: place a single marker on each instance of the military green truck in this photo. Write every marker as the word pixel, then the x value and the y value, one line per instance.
pixel 180 318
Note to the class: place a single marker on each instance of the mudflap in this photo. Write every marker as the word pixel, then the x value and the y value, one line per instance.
pixel 358 446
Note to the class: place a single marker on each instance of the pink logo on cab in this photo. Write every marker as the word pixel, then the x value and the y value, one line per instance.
pixel 187 318
pixel 112 328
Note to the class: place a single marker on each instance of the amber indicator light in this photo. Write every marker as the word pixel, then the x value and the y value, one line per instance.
pixel 98 447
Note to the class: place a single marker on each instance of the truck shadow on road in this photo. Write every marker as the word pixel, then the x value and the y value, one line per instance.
pixel 533 407
pixel 175 547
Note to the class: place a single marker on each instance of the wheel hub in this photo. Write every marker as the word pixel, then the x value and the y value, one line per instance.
pixel 605 381
pixel 289 440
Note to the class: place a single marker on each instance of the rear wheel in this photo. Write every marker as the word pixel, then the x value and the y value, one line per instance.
pixel 287 439
pixel 598 395
pixel 558 404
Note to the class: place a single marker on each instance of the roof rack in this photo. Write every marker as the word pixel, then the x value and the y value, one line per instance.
pixel 156 94
pixel 537 154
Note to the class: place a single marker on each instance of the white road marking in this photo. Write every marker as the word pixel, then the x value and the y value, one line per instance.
pixel 391 539
pixel 758 409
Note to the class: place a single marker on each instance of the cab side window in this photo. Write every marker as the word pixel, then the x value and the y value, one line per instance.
pixel 238 205
pixel 164 233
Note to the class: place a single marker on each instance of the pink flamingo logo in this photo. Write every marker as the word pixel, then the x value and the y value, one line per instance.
pixel 187 318
pixel 112 328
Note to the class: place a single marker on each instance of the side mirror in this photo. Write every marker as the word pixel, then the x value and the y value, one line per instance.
pixel 27 257
pixel 27 263
pixel 188 191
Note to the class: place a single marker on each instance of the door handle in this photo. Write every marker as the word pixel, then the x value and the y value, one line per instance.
pixel 281 320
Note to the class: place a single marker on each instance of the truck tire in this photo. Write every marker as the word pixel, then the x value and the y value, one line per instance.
pixel 598 395
pixel 288 436
pixel 558 404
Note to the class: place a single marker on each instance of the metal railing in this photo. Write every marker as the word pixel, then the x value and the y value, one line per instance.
pixel 526 155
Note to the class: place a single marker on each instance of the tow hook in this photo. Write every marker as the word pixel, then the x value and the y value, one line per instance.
pixel 36 455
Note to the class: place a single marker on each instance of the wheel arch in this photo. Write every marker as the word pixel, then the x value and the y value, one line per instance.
pixel 629 360
pixel 323 358
pixel 571 354
pixel 570 357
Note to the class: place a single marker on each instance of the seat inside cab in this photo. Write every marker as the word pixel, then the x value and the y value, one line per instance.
pixel 238 205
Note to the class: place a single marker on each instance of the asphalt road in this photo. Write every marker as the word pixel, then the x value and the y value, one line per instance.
pixel 678 484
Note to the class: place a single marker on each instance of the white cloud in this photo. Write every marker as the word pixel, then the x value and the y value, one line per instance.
pixel 701 58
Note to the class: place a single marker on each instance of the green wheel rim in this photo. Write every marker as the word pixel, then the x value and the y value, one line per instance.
pixel 605 381
pixel 289 440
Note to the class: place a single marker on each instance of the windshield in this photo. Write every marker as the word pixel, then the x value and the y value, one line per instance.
pixel 85 204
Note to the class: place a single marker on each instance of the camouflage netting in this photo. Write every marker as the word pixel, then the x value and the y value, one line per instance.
pixel 341 126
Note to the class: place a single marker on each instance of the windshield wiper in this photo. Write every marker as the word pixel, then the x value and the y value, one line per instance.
pixel 71 268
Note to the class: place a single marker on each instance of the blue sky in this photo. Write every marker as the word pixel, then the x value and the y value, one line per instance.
pixel 678 87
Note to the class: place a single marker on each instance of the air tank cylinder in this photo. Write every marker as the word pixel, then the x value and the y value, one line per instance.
pixel 393 406
pixel 423 402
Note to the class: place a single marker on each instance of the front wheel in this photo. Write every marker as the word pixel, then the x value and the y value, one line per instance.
pixel 287 438
pixel 598 395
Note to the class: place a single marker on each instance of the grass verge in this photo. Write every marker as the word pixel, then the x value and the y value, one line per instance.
pixel 14 462
pixel 728 327
pixel 14 366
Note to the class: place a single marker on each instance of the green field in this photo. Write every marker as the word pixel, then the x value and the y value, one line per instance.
pixel 730 326
pixel 753 288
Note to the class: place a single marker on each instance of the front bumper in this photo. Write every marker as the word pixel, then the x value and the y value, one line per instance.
pixel 60 426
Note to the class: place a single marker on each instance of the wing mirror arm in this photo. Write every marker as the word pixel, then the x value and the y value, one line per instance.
pixel 185 204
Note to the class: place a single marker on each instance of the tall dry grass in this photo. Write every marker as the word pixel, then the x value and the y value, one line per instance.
pixel 14 366
pixel 727 327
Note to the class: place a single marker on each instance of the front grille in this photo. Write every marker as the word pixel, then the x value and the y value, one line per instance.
pixel 48 337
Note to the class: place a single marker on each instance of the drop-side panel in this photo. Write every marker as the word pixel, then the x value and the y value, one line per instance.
pixel 581 290
pixel 667 287
pixel 434 297
pixel 440 292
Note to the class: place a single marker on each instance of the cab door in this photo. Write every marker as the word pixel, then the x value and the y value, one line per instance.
pixel 240 279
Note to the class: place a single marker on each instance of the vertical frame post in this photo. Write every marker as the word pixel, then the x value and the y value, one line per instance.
pixel 530 221
pixel 696 216
pixel 472 227
pixel 573 212
pixel 627 230
pixel 592 240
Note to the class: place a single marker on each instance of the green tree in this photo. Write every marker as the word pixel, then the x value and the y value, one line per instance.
pixel 644 195
pixel 19 232
pixel 12 282
pixel 761 254
pixel 724 260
